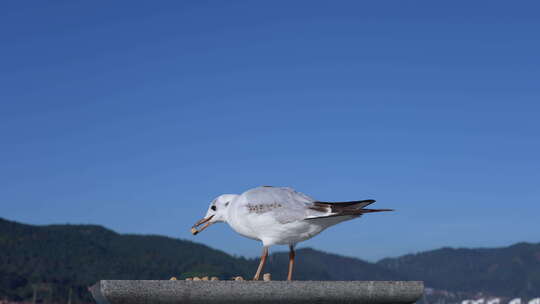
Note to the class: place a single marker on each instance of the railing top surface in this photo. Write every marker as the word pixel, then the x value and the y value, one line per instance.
pixel 165 292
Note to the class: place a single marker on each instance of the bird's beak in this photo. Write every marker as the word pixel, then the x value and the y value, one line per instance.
pixel 195 230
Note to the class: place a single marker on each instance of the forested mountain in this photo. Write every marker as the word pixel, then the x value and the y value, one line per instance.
pixel 60 258
pixel 76 256
pixel 507 271
pixel 317 265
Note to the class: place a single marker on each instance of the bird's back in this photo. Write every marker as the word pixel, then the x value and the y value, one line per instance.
pixel 282 203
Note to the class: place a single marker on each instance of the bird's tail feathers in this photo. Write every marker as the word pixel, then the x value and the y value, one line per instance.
pixel 374 210
pixel 344 208
pixel 336 206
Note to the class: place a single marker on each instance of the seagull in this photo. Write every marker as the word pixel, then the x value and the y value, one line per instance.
pixel 279 216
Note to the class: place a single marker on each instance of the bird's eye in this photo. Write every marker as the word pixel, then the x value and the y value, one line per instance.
pixel 213 208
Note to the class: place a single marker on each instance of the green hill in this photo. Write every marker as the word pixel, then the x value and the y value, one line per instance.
pixel 76 256
pixel 509 271
pixel 317 265
pixel 72 257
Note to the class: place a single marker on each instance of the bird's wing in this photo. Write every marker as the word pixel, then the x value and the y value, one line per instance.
pixel 284 204
pixel 288 205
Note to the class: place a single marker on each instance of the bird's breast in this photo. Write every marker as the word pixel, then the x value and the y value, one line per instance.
pixel 239 222
pixel 266 228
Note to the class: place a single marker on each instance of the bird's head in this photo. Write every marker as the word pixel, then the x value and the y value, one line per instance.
pixel 217 212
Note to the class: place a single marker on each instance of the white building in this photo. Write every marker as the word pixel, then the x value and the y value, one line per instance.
pixel 535 301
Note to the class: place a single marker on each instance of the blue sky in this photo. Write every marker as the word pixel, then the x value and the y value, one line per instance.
pixel 134 115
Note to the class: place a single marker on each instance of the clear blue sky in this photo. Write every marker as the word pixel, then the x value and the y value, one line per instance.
pixel 135 114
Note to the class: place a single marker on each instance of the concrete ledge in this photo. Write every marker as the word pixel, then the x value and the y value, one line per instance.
pixel 167 292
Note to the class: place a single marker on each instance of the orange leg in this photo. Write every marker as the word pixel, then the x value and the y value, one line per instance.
pixel 291 262
pixel 261 264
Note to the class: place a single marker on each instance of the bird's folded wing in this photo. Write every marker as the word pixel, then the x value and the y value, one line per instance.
pixel 286 205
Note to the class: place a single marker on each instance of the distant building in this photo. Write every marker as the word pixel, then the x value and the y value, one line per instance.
pixel 494 301
pixel 515 301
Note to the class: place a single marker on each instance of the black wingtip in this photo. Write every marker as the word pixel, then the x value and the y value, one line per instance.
pixel 369 201
pixel 375 210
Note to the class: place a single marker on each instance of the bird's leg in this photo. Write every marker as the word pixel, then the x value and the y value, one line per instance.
pixel 291 262
pixel 261 264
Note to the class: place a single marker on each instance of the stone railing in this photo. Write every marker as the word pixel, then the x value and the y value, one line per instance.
pixel 168 292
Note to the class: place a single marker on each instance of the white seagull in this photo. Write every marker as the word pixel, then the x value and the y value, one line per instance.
pixel 279 216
